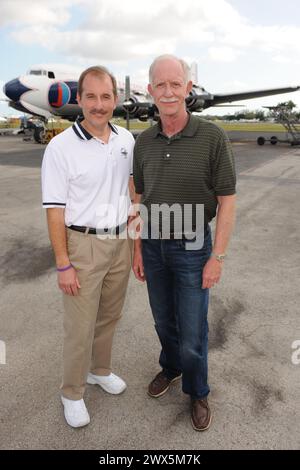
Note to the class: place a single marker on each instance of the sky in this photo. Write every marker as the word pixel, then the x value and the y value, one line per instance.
pixel 237 44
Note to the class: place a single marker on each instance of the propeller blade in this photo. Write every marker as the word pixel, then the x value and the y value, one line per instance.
pixel 127 98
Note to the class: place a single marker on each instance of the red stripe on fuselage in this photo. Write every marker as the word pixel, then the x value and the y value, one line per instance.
pixel 59 96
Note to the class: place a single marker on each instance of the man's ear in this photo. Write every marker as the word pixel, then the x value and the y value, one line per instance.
pixel 116 98
pixel 150 89
pixel 78 98
pixel 189 87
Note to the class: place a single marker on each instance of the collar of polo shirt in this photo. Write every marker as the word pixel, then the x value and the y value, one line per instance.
pixel 189 130
pixel 82 133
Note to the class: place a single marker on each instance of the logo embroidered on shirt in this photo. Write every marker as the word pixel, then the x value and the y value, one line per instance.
pixel 124 152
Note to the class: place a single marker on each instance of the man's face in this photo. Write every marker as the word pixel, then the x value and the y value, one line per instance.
pixel 168 87
pixel 97 99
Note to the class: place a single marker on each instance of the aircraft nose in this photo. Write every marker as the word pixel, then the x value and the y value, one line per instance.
pixel 14 89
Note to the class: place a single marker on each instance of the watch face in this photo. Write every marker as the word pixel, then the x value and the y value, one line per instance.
pixel 219 257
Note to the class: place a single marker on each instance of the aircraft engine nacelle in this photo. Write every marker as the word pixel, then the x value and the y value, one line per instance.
pixel 197 98
pixel 61 94
pixel 135 106
pixel 194 101
pixel 135 111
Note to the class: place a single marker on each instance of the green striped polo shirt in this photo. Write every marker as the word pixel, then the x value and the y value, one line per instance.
pixel 192 167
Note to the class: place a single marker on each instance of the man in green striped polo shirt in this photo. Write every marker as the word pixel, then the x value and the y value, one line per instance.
pixel 185 162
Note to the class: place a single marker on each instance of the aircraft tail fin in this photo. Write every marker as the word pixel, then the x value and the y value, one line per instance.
pixel 194 73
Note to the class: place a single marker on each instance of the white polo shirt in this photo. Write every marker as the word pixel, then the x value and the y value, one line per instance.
pixel 88 177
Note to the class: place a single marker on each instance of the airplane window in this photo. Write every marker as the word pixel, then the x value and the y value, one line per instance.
pixel 51 75
pixel 35 72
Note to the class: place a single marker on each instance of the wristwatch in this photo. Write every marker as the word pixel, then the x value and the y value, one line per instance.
pixel 220 257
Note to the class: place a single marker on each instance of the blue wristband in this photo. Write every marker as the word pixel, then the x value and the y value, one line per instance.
pixel 65 268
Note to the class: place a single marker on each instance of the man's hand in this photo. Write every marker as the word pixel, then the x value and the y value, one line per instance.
pixel 138 265
pixel 68 281
pixel 211 273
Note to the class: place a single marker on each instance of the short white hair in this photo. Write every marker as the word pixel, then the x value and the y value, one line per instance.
pixel 185 67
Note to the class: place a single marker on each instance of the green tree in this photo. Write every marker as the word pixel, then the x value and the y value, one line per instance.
pixel 288 105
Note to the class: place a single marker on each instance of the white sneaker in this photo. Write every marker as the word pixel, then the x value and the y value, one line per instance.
pixel 110 383
pixel 75 412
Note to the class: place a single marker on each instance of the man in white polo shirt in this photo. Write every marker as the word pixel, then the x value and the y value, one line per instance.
pixel 86 174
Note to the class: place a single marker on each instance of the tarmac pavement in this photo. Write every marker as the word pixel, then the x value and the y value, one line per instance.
pixel 254 319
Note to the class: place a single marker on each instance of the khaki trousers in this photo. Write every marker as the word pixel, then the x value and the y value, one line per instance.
pixel 103 267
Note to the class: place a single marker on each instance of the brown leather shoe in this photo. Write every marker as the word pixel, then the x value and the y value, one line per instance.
pixel 160 385
pixel 201 414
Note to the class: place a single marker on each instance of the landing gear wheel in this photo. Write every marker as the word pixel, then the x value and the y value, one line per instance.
pixel 273 140
pixel 39 134
pixel 261 141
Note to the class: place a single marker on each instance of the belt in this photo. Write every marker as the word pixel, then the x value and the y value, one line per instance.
pixel 100 231
pixel 179 235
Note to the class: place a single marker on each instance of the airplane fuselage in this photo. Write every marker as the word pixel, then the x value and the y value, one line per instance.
pixel 45 97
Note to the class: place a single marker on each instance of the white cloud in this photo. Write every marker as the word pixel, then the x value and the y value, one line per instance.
pixel 31 12
pixel 119 31
pixel 234 85
pixel 281 59
pixel 223 54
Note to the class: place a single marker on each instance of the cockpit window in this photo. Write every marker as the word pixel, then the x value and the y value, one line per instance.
pixel 38 72
pixel 51 75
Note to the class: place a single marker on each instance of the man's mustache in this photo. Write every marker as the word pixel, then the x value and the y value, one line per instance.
pixel 98 111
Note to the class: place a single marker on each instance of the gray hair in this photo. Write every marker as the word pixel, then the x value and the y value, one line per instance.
pixel 185 67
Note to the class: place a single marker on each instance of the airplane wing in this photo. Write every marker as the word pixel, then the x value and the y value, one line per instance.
pixel 217 99
pixel 200 99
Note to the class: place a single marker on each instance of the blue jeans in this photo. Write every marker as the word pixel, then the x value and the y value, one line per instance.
pixel 179 307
